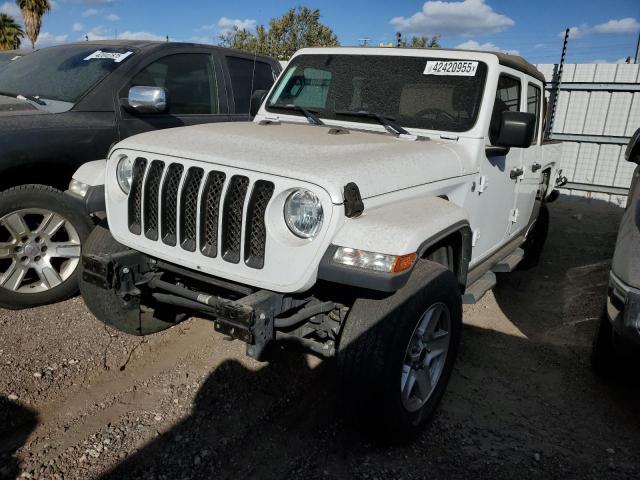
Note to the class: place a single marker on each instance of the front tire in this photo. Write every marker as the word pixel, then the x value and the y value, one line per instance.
pixel 396 354
pixel 41 238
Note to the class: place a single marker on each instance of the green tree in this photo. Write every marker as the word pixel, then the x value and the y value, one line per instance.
pixel 298 28
pixel 422 42
pixel 32 13
pixel 11 33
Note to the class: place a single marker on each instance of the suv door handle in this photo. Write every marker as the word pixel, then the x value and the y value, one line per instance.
pixel 515 173
pixel 535 167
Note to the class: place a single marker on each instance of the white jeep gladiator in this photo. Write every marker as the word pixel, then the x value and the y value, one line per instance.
pixel 376 191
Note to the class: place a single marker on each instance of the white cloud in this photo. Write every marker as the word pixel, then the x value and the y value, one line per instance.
pixel 46 39
pixel 487 46
pixel 91 12
pixel 10 8
pixel 624 25
pixel 77 27
pixel 105 33
pixel 141 36
pixel 469 17
pixel 227 24
pixel 112 17
pixel 620 26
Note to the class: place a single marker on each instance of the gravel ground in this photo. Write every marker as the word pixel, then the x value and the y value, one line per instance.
pixel 78 400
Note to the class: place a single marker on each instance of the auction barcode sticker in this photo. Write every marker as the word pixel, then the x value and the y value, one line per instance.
pixel 117 57
pixel 460 68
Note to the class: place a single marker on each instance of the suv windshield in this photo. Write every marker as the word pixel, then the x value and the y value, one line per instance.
pixel 394 87
pixel 62 73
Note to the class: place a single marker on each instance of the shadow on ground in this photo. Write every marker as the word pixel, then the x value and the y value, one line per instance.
pixel 518 406
pixel 16 423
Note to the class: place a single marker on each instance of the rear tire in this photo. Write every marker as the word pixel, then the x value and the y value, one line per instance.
pixel 534 244
pixel 41 239
pixel 381 338
pixel 108 307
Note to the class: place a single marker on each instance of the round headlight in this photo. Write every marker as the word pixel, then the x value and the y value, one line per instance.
pixel 303 213
pixel 124 173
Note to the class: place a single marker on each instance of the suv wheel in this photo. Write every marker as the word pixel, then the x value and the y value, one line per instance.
pixel 41 238
pixel 537 237
pixel 396 354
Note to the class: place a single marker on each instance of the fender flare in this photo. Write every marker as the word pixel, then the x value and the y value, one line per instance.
pixel 399 228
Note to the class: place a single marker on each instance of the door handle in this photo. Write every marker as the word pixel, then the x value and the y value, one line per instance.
pixel 515 173
pixel 535 167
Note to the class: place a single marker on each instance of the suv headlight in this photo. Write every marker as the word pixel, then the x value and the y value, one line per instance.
pixel 124 173
pixel 303 213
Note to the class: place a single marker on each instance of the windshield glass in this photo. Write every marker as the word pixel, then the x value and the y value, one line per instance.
pixel 62 73
pixel 416 92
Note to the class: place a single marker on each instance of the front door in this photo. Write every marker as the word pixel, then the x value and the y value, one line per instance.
pixel 195 93
pixel 496 186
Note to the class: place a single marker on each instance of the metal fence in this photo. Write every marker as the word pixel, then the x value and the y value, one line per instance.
pixel 597 111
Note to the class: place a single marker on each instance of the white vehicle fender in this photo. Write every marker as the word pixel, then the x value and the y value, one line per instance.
pixel 399 228
pixel 86 189
pixel 91 173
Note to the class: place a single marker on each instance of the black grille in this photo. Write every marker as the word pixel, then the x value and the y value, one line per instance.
pixel 189 208
pixel 151 195
pixel 232 218
pixel 135 196
pixel 169 203
pixel 256 236
pixel 210 213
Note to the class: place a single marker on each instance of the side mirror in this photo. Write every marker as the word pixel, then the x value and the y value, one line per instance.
pixel 256 101
pixel 516 129
pixel 147 99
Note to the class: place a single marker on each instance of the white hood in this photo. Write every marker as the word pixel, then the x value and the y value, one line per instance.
pixel 378 163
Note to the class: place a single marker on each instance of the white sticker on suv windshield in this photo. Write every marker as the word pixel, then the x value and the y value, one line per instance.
pixel 458 67
pixel 117 57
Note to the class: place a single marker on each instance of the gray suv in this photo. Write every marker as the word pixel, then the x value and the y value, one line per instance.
pixel 618 332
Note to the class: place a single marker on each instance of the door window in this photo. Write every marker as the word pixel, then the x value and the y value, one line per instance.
pixel 533 106
pixel 507 100
pixel 189 80
pixel 247 76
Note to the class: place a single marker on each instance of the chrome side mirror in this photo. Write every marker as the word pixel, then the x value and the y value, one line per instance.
pixel 147 99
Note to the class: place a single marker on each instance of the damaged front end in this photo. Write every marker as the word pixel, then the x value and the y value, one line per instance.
pixel 255 316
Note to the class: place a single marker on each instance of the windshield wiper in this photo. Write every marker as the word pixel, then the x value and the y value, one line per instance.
pixel 24 97
pixel 311 116
pixel 388 122
pixel 31 98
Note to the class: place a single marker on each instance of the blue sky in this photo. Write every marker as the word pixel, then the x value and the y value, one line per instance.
pixel 601 30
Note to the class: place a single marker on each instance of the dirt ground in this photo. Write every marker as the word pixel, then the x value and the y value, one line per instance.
pixel 80 401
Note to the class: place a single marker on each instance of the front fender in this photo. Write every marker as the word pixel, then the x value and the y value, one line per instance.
pixel 86 189
pixel 399 228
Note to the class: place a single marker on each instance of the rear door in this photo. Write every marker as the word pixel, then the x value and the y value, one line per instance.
pixel 195 90
pixel 246 75
pixel 529 182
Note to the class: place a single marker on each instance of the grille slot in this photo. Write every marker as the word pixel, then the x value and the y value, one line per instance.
pixel 256 235
pixel 210 213
pixel 169 204
pixel 151 199
pixel 135 196
pixel 232 218
pixel 189 208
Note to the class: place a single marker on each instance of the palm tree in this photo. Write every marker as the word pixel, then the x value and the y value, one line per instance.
pixel 10 33
pixel 32 13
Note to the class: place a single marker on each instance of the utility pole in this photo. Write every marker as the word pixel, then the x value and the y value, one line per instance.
pixel 637 49
pixel 555 92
